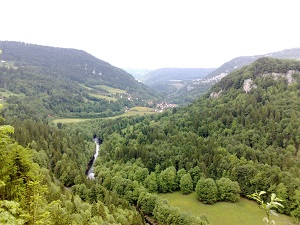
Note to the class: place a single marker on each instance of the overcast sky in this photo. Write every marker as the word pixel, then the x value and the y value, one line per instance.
pixel 155 33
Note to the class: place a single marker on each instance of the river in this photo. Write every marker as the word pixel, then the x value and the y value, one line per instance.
pixel 90 171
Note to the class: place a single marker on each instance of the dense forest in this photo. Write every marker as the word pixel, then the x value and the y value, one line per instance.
pixel 40 81
pixel 249 138
pixel 240 137
pixel 197 88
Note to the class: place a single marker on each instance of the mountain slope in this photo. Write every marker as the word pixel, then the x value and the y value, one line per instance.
pixel 172 81
pixel 245 129
pixel 73 64
pixel 167 74
pixel 241 61
pixel 66 82
pixel 199 87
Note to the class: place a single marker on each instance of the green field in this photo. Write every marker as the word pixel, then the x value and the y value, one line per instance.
pixel 8 94
pixel 103 97
pixel 244 212
pixel 135 111
pixel 111 89
pixel 70 120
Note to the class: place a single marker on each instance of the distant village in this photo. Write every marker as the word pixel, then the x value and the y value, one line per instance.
pixel 213 80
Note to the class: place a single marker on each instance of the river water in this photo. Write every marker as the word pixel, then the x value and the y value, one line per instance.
pixel 90 173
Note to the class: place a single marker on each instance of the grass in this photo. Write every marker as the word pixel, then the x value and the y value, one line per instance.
pixel 111 89
pixel 86 87
pixel 103 97
pixel 7 94
pixel 142 109
pixel 71 120
pixel 244 212
pixel 135 111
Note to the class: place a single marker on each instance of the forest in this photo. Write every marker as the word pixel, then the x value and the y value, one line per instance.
pixel 223 147
pixel 39 81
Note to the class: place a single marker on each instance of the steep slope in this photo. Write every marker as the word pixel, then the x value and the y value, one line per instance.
pixel 241 61
pixel 65 82
pixel 73 64
pixel 245 129
pixel 199 87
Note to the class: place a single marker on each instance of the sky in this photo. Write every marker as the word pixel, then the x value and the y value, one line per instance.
pixel 152 34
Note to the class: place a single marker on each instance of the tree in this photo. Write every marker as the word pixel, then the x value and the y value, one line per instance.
pixel 229 191
pixel 151 182
pixel 186 184
pixel 207 191
pixel 147 202
pixel 269 207
pixel 167 180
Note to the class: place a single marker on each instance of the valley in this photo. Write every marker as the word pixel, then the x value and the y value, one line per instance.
pixel 238 137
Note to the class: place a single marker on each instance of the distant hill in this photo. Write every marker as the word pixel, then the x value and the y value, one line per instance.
pixel 198 87
pixel 170 80
pixel 167 74
pixel 66 82
pixel 241 61
pixel 138 74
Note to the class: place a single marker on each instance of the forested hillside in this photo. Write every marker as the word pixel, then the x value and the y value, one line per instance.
pixel 169 76
pixel 174 82
pixel 197 88
pixel 40 81
pixel 245 130
pixel 241 137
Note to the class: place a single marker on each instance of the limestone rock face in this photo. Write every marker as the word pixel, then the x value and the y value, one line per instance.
pixel 248 85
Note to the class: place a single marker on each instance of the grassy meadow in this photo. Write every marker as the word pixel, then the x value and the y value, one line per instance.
pixel 111 89
pixel 103 97
pixel 70 120
pixel 244 212
pixel 135 111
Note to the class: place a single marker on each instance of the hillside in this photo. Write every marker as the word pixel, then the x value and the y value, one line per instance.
pixel 65 82
pixel 241 61
pixel 138 74
pixel 239 138
pixel 173 81
pixel 199 87
pixel 167 74
pixel 246 129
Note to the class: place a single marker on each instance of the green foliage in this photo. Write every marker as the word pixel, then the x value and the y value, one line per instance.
pixel 269 207
pixel 247 140
pixel 251 138
pixel 151 182
pixel 229 191
pixel 167 180
pixel 147 202
pixel 11 213
pixel 46 82
pixel 207 191
pixel 186 184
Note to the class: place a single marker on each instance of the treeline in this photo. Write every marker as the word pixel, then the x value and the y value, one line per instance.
pixel 31 94
pixel 72 64
pixel 132 182
pixel 250 138
pixel 33 180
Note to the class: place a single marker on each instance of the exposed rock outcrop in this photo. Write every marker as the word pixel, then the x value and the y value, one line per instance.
pixel 288 75
pixel 215 94
pixel 248 85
